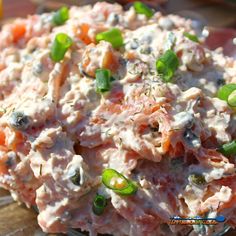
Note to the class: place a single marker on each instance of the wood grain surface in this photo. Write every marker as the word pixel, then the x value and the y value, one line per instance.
pixel 17 220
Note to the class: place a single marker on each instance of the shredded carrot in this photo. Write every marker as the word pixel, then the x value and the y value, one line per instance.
pixel 18 31
pixel 227 205
pixel 64 74
pixel 2 138
pixel 229 181
pixel 19 139
pixel 84 34
pixel 130 55
pixel 118 95
pixel 2 66
pixel 115 108
pixel 166 143
pixel 3 166
pixel 97 120
pixel 110 61
pixel 142 128
pixel 179 149
pixel 156 107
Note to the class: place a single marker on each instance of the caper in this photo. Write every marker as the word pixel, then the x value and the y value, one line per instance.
pixel 75 179
pixel 197 179
pixel 146 50
pixel 19 120
pixel 191 139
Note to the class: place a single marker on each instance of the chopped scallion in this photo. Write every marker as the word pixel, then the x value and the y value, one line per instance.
pixel 112 36
pixel 61 44
pixel 225 91
pixel 191 37
pixel 99 204
pixel 167 64
pixel 103 80
pixel 143 9
pixel 232 99
pixel 118 182
pixel 228 148
pixel 61 16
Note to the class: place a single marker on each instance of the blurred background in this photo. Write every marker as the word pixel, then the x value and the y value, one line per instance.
pixel 218 15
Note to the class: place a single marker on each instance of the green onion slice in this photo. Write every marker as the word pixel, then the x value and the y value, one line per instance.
pixel 143 9
pixel 167 64
pixel 61 16
pixel 103 80
pixel 232 99
pixel 112 36
pixel 99 204
pixel 61 44
pixel 191 37
pixel 225 91
pixel 118 182
pixel 197 179
pixel 228 148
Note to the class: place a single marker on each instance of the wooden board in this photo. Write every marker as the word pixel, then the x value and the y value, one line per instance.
pixel 15 219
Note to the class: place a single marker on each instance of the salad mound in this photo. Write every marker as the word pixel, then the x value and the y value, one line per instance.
pixel 114 122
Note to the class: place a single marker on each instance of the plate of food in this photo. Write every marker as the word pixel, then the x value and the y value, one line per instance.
pixel 118 122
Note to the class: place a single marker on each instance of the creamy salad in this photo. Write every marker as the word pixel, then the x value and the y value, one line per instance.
pixel 112 122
